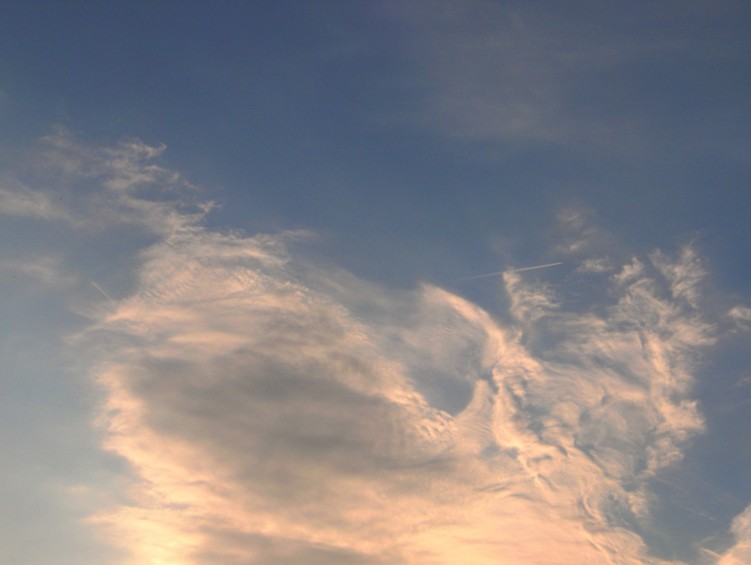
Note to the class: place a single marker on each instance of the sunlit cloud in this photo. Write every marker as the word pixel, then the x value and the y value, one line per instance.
pixel 255 408
pixel 499 72
pixel 271 410
pixel 740 552
pixel 97 188
pixel 684 276
pixel 741 317
pixel 595 265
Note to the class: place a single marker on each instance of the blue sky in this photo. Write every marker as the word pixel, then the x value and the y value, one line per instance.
pixel 241 323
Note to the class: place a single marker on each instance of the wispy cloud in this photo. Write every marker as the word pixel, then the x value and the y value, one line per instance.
pixel 595 265
pixel 529 302
pixel 510 73
pixel 18 200
pixel 740 552
pixel 46 270
pixel 501 72
pixel 741 317
pixel 98 187
pixel 685 276
pixel 265 418
pixel 274 411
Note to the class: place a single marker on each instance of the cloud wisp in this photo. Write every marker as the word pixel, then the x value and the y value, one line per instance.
pixel 504 72
pixel 24 202
pixel 98 188
pixel 520 270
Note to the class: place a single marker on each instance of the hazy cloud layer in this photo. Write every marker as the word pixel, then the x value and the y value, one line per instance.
pixel 511 71
pixel 500 71
pixel 741 317
pixel 45 270
pixel 274 411
pixel 24 202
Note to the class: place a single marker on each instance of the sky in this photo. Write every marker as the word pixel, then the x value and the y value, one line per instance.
pixel 398 282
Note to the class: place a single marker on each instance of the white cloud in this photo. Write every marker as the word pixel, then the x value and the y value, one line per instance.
pixel 17 200
pixel 740 553
pixel 274 411
pixel 684 276
pixel 529 302
pixel 493 71
pixel 578 235
pixel 741 317
pixel 97 188
pixel 595 265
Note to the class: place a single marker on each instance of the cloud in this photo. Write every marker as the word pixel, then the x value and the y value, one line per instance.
pixel 46 270
pixel 97 188
pixel 577 234
pixel 740 552
pixel 684 276
pixel 16 200
pixel 504 72
pixel 273 411
pixel 741 317
pixel 595 265
pixel 529 302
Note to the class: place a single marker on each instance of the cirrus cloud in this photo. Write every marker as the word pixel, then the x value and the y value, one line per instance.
pixel 271 410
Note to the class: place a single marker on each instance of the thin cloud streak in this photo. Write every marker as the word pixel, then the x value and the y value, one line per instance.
pixel 499 273
pixel 101 290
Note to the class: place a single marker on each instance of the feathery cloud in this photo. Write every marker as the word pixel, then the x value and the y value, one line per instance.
pixel 263 417
pixel 17 200
pixel 99 187
pixel 271 410
pixel 741 317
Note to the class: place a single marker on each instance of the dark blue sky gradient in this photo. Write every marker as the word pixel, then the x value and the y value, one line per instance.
pixel 303 116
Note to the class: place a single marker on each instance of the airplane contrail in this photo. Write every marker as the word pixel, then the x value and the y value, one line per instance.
pixel 545 266
pixel 100 289
pixel 535 267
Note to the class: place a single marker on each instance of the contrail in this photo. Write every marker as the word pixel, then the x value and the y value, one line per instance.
pixel 545 266
pixel 535 267
pixel 100 289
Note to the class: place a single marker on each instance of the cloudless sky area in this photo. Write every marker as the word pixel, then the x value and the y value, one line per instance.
pixel 267 294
